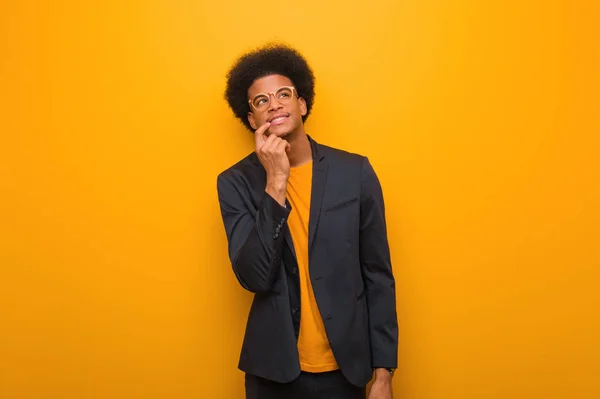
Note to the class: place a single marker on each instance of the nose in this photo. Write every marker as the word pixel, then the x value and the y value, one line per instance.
pixel 274 104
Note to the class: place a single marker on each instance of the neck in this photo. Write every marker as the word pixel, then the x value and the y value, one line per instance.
pixel 300 151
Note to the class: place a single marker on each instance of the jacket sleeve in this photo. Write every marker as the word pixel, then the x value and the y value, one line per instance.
pixel 255 240
pixel 377 271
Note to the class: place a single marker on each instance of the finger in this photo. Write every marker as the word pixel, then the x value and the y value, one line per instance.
pixel 282 145
pixel 276 145
pixel 277 142
pixel 259 134
pixel 273 140
pixel 269 143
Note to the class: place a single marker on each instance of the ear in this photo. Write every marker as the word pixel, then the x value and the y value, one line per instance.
pixel 302 104
pixel 252 121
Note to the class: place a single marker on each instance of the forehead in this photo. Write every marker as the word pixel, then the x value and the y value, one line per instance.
pixel 268 84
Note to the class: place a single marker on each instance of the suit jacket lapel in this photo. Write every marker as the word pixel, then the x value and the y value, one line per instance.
pixel 318 190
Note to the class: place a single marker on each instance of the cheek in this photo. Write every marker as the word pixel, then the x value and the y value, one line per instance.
pixel 296 111
pixel 259 120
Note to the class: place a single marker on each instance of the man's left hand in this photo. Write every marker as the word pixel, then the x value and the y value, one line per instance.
pixel 382 387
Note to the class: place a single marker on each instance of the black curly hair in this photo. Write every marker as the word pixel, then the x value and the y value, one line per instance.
pixel 271 59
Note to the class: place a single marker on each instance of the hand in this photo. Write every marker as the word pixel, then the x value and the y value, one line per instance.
pixel 272 153
pixel 382 387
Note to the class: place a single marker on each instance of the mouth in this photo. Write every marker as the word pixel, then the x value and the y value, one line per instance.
pixel 278 119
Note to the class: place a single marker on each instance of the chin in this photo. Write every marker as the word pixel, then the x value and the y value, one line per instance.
pixel 279 132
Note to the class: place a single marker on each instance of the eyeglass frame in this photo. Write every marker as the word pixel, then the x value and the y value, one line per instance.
pixel 268 94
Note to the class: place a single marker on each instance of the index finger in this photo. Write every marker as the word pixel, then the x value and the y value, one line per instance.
pixel 259 134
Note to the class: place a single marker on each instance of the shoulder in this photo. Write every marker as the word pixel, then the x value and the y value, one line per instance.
pixel 347 165
pixel 342 157
pixel 240 171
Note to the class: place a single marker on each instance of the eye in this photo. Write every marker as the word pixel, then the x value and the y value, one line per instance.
pixel 284 94
pixel 260 101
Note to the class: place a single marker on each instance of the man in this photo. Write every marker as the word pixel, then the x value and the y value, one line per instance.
pixel 306 230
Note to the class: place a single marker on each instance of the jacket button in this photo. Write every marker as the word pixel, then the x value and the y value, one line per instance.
pixel 294 310
pixel 276 235
pixel 294 270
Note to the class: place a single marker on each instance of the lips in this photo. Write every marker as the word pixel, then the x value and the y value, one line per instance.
pixel 278 119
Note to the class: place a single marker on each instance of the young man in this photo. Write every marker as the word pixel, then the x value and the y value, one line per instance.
pixel 306 230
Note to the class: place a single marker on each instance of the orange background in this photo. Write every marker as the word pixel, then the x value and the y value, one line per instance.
pixel 481 119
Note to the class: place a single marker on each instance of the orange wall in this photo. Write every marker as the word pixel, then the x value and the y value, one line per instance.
pixel 481 118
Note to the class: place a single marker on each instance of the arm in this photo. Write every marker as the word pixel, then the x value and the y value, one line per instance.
pixel 255 241
pixel 377 272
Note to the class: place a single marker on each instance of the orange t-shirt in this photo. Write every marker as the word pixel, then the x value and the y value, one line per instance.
pixel 314 350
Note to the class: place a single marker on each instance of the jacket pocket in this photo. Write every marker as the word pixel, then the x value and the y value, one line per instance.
pixel 341 205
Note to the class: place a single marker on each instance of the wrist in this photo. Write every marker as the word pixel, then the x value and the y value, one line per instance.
pixel 277 182
pixel 384 373
pixel 276 188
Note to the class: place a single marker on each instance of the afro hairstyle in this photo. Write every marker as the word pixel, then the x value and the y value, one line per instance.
pixel 271 59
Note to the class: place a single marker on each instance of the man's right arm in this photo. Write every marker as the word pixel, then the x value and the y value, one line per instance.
pixel 255 241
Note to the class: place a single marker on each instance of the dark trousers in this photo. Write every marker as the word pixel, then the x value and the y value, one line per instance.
pixel 329 385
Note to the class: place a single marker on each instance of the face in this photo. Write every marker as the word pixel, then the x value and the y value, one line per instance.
pixel 285 116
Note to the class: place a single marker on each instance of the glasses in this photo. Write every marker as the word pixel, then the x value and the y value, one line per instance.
pixel 283 95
